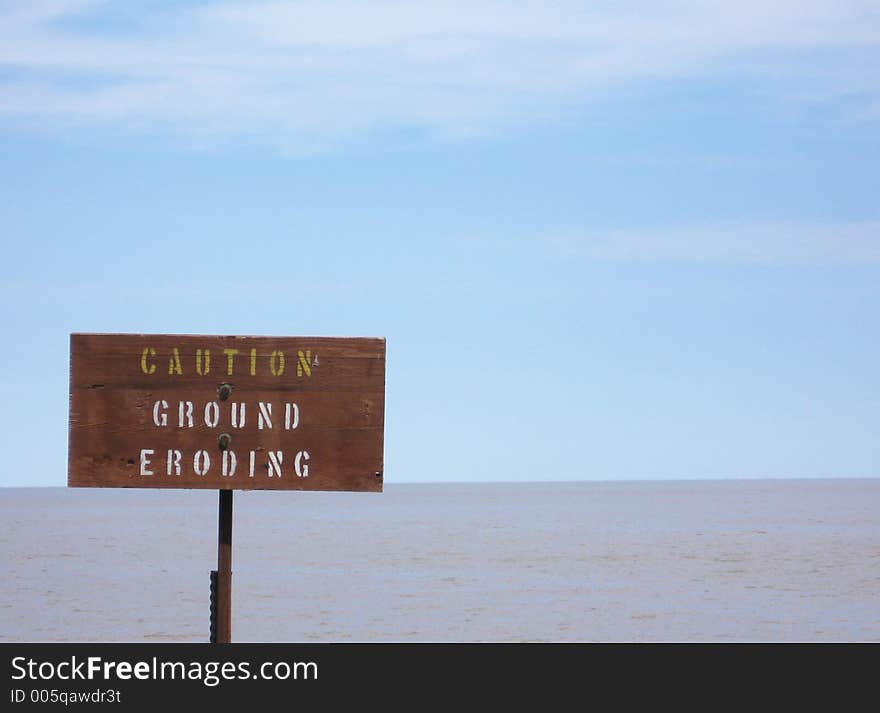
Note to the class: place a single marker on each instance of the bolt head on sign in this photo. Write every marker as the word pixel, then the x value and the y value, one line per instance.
pixel 221 412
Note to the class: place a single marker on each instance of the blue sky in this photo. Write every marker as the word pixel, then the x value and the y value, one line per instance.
pixel 603 240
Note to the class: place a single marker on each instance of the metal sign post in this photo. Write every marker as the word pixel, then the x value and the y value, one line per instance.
pixel 224 568
pixel 226 413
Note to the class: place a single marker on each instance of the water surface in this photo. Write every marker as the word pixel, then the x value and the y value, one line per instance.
pixel 795 560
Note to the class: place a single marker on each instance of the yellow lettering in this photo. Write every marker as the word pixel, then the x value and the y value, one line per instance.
pixel 303 364
pixel 147 368
pixel 207 367
pixel 253 362
pixel 276 369
pixel 230 353
pixel 174 363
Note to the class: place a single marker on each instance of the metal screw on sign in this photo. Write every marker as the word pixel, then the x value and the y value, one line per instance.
pixel 224 391
pixel 224 441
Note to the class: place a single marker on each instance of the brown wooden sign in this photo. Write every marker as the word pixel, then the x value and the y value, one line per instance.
pixel 243 413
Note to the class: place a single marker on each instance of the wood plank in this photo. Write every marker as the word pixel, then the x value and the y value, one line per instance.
pixel 303 413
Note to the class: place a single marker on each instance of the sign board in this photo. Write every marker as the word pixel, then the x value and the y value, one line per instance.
pixel 221 412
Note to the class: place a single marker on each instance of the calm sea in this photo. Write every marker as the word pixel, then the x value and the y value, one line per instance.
pixel 637 561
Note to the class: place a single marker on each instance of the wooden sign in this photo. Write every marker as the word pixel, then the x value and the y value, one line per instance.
pixel 243 413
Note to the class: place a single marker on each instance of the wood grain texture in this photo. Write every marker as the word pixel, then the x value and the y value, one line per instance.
pixel 311 408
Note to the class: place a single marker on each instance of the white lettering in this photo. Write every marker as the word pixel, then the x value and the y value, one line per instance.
pixel 274 464
pixel 160 418
pixel 265 415
pixel 229 463
pixel 201 462
pixel 94 666
pixel 302 470
pixel 253 459
pixel 236 423
pixel 19 666
pixel 185 409
pixel 173 461
pixel 145 461
pixel 212 414
pixel 291 416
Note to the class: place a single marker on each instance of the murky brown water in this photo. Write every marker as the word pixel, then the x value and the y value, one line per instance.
pixel 669 561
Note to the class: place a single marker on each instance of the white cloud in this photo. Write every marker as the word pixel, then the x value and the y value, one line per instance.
pixel 312 68
pixel 769 243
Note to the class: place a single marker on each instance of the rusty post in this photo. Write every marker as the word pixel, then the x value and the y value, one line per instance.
pixel 224 569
